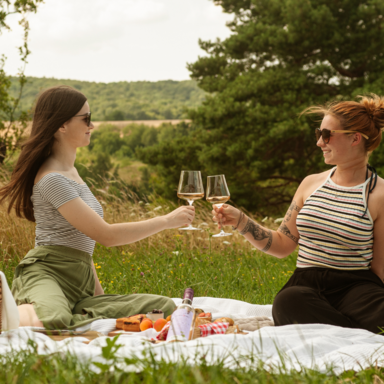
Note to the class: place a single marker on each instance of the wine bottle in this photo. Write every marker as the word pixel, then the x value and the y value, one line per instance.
pixel 183 319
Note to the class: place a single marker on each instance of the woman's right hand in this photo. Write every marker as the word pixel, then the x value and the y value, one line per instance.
pixel 227 214
pixel 180 217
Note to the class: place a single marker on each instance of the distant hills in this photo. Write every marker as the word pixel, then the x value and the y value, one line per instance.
pixel 139 100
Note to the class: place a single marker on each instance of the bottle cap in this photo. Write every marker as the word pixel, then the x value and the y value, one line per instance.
pixel 188 294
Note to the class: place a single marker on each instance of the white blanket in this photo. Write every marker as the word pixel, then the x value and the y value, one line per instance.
pixel 315 346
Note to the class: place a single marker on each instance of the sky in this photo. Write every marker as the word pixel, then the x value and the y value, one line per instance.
pixel 114 40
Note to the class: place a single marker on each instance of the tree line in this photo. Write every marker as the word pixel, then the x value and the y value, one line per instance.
pixel 140 100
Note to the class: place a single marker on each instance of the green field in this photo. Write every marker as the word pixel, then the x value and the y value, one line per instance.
pixel 165 264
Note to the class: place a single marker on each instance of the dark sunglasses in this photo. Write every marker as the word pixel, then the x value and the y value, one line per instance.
pixel 87 119
pixel 326 134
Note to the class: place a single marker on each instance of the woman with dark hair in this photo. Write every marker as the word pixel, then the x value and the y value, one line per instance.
pixel 56 284
pixel 337 218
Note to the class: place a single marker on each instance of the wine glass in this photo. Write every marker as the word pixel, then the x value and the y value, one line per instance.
pixel 190 189
pixel 218 194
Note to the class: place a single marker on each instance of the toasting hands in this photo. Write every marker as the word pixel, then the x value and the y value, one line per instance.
pixel 181 216
pixel 229 215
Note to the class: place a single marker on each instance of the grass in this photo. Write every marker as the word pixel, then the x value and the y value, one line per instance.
pixel 29 367
pixel 164 264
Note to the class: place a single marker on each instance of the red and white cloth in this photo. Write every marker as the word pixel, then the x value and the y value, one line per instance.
pixel 206 330
pixel 162 336
pixel 213 329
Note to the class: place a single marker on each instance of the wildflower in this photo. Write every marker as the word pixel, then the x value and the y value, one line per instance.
pixel 265 219
pixel 171 271
pixel 226 242
pixel 175 253
pixel 138 268
pixel 112 282
pixel 100 282
pixel 142 273
pixel 157 208
pixel 279 220
pixel 98 267
pixel 123 253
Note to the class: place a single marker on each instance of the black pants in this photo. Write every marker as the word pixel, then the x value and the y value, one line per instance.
pixel 353 299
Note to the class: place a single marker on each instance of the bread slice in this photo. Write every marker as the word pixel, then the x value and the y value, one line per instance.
pixel 131 325
pixel 130 322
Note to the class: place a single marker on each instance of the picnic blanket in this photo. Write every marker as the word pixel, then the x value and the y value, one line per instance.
pixel 292 347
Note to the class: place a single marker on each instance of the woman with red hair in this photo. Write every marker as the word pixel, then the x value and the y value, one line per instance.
pixel 337 218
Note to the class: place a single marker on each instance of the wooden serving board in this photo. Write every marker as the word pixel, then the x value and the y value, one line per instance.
pixel 61 335
pixel 120 332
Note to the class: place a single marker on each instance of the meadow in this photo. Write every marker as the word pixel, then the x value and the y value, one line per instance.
pixel 165 264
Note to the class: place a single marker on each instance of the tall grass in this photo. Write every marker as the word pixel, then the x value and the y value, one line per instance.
pixel 169 261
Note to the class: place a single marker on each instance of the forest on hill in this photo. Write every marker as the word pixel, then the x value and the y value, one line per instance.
pixel 140 100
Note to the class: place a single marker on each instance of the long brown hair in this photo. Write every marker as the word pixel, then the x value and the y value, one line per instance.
pixel 54 107
pixel 365 116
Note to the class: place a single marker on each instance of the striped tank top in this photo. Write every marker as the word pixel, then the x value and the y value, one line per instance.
pixel 48 195
pixel 334 233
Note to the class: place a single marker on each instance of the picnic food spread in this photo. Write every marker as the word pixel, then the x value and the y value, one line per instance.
pixel 203 326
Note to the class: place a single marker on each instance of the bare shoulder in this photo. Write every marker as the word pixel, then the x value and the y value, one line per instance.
pixel 310 184
pixel 376 199
pixel 70 174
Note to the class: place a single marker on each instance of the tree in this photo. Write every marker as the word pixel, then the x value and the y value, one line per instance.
pixel 282 56
pixel 13 123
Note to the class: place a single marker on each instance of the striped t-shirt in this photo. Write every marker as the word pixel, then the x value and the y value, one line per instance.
pixel 333 231
pixel 50 193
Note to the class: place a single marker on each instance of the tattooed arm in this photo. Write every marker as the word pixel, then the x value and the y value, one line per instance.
pixel 287 228
pixel 257 232
pixel 278 243
pixel 282 242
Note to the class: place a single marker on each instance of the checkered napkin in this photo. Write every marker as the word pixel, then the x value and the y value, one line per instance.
pixel 164 332
pixel 213 329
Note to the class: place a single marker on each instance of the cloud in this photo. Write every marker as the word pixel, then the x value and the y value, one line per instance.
pixel 72 25
pixel 114 40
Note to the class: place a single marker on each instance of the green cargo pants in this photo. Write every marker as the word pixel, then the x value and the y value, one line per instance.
pixel 60 284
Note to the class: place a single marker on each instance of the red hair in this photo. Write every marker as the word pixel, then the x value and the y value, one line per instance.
pixel 365 116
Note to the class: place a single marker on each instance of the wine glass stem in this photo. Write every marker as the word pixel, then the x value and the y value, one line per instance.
pixel 190 203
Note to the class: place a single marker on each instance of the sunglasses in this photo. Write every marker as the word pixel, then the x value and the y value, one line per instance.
pixel 326 134
pixel 87 119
